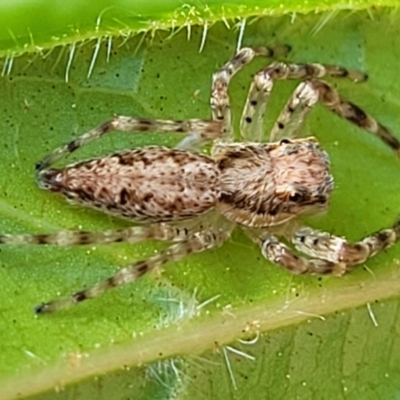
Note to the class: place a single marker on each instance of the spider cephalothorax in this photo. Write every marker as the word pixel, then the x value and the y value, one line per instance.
pixel 267 184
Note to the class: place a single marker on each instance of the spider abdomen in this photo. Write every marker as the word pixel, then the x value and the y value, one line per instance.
pixel 147 184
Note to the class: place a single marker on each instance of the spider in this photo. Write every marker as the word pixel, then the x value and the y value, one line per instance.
pixel 193 200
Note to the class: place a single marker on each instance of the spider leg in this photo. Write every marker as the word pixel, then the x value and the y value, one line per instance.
pixel 290 119
pixel 295 111
pixel 194 244
pixel 220 104
pixel 161 231
pixel 331 99
pixel 330 255
pixel 252 121
pixel 278 253
pixel 300 103
pixel 281 70
pixel 298 106
pixel 337 250
pixel 199 130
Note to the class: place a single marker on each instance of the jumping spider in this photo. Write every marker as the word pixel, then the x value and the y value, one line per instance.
pixel 194 200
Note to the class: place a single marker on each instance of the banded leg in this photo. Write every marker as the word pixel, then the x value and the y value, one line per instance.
pixel 194 244
pixel 337 250
pixel 252 121
pixel 294 113
pixel 300 103
pixel 304 98
pixel 278 253
pixel 281 70
pixel 289 121
pixel 196 129
pixel 162 232
pixel 219 102
pixel 297 108
pixel 331 99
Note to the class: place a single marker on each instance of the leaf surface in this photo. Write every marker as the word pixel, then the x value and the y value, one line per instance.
pixel 346 345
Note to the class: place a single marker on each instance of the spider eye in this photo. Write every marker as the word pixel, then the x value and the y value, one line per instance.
pixel 295 197
pixel 284 141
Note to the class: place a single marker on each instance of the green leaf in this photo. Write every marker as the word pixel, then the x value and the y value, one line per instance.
pixel 27 26
pixel 346 345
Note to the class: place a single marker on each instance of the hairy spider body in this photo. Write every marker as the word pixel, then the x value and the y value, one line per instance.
pixel 194 201
pixel 151 184
pixel 263 185
pixel 255 185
